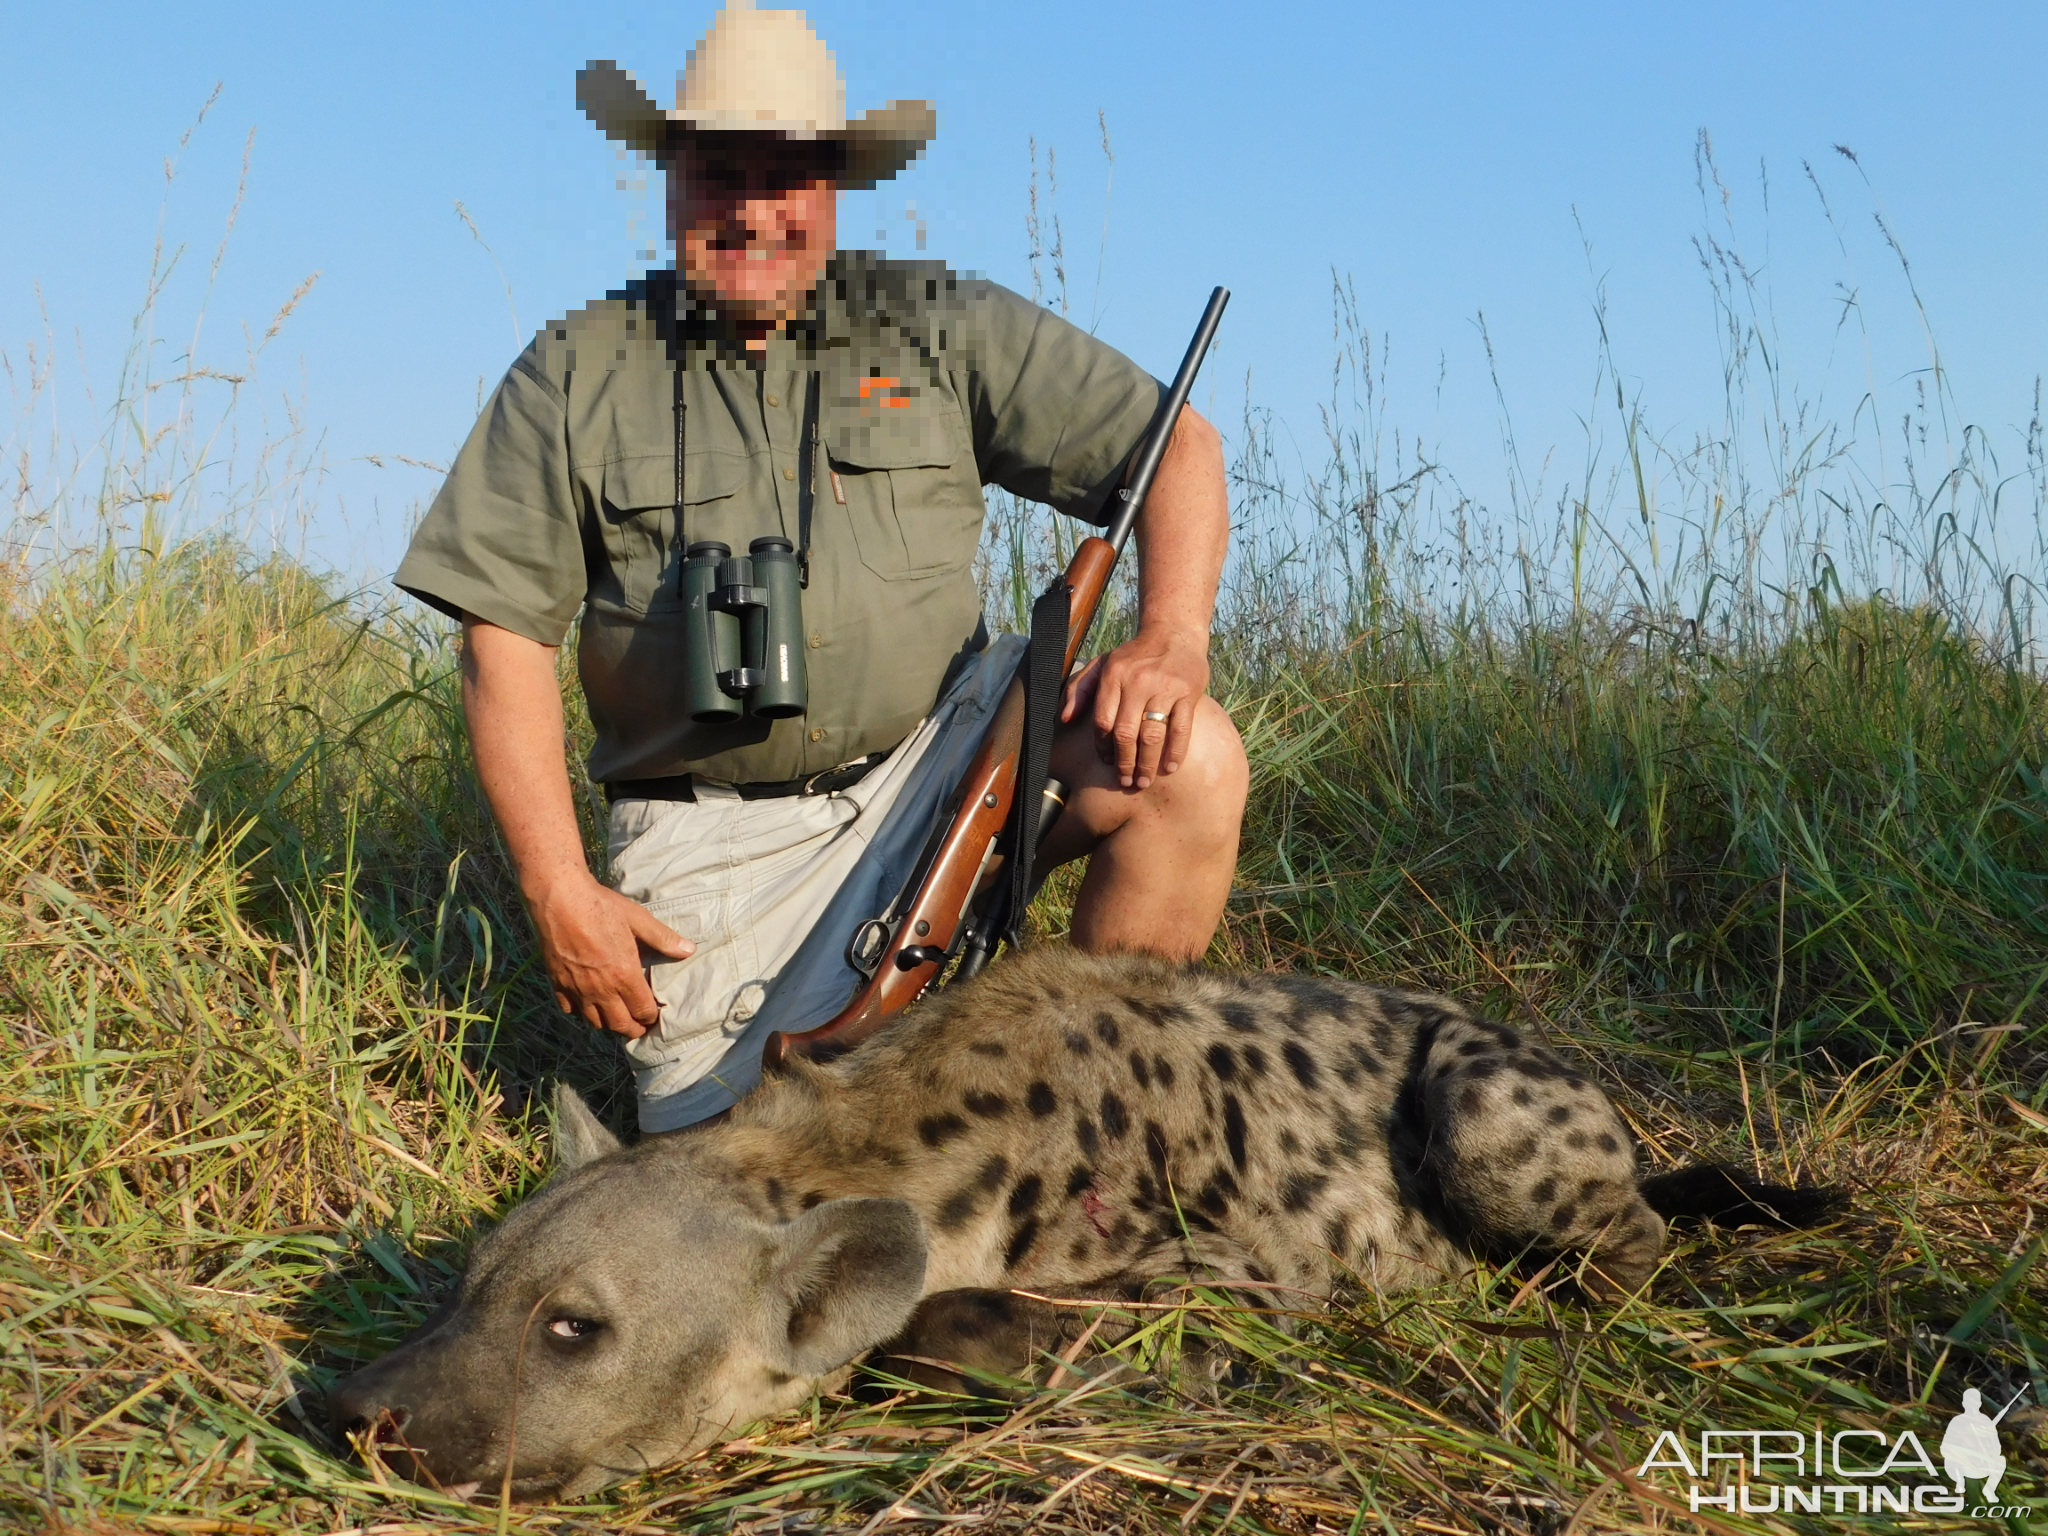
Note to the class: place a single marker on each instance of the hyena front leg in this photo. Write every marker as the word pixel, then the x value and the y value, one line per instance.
pixel 978 1342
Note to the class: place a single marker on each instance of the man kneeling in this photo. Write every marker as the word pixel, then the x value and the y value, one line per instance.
pixel 771 386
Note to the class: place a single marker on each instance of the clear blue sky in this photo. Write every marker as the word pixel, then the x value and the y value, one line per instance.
pixel 1436 154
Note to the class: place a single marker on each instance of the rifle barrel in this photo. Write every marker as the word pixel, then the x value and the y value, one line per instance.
pixel 1139 484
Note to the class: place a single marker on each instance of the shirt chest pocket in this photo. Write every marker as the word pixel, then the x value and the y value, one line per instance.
pixel 912 496
pixel 637 523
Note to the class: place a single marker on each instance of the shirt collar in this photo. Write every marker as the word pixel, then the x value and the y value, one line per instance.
pixel 690 323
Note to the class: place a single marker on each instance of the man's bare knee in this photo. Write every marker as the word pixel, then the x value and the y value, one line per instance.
pixel 1217 749
pixel 1215 777
pixel 1202 799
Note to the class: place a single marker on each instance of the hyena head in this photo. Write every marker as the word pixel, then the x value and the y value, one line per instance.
pixel 630 1314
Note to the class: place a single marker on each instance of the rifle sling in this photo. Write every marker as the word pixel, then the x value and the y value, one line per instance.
pixel 1043 672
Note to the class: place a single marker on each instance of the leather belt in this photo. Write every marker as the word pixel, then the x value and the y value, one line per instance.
pixel 683 786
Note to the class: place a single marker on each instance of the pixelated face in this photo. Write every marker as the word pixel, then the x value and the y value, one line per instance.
pixel 754 218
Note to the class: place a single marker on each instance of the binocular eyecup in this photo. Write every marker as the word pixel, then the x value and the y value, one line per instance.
pixel 745 630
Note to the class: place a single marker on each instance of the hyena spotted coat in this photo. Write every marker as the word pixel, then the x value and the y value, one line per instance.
pixel 1074 1122
pixel 1070 1125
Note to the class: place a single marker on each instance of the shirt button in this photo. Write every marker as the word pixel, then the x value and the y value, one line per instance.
pixel 773 401
pixel 817 641
pixel 788 473
pixel 817 735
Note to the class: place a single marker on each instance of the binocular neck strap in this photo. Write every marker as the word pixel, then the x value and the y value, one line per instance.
pixel 807 476
pixel 681 541
pixel 807 479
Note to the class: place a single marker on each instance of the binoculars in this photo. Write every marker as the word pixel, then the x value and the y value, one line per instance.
pixel 745 617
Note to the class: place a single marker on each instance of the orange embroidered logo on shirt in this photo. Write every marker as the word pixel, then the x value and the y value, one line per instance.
pixel 891 390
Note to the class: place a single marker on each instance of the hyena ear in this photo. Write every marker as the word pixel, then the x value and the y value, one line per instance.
pixel 850 1272
pixel 580 1137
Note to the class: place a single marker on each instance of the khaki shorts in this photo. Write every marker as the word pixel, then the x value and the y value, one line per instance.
pixel 771 892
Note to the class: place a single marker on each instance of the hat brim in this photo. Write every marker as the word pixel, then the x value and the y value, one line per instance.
pixel 878 144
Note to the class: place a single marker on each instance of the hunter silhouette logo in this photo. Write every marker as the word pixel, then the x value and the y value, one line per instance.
pixel 1843 1471
pixel 1969 1446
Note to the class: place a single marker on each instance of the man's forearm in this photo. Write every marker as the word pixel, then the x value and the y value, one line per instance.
pixel 594 940
pixel 1184 533
pixel 513 703
pixel 1144 694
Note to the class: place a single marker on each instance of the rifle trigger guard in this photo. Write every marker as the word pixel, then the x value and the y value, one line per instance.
pixel 869 943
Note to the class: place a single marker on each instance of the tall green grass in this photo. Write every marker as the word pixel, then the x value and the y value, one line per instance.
pixel 1723 767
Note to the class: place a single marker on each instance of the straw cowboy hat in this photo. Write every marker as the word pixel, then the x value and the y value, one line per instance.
pixel 759 72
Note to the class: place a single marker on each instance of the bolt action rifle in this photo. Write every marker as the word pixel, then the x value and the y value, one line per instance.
pixel 1004 805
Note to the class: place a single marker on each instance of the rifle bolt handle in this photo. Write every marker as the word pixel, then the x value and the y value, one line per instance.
pixel 911 956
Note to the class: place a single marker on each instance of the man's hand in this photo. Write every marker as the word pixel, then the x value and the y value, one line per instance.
pixel 596 944
pixel 1164 670
pixel 1160 671
pixel 594 941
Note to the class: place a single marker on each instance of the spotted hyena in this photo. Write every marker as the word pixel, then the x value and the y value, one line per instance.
pixel 1067 1125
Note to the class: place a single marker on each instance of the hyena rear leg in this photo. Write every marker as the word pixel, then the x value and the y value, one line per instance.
pixel 1527 1154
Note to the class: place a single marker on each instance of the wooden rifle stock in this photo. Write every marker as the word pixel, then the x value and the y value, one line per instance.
pixel 924 936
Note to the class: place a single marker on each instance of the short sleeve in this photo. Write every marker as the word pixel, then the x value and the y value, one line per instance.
pixel 501 540
pixel 1055 411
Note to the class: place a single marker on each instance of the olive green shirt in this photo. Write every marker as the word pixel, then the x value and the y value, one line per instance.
pixel 562 503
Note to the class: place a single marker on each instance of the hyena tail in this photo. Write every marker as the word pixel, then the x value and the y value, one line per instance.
pixel 1730 1198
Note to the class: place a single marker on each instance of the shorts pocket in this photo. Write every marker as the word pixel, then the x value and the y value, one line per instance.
pixel 711 995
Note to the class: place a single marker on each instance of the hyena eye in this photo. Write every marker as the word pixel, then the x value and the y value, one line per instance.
pixel 573 1327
